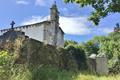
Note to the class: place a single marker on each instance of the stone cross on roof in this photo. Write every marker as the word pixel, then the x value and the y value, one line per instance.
pixel 12 24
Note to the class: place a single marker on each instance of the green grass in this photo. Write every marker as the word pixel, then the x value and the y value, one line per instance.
pixel 21 72
pixel 50 73
pixel 82 76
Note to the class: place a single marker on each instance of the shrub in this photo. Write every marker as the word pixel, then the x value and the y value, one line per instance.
pixel 114 65
pixel 79 56
pixel 5 65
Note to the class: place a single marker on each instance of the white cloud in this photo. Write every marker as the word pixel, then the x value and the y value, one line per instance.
pixel 43 2
pixel 23 2
pixel 72 25
pixel 34 19
pixel 101 30
pixel 107 30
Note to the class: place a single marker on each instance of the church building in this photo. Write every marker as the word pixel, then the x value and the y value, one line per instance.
pixel 48 32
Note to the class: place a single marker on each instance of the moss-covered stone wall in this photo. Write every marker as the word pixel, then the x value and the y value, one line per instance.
pixel 35 53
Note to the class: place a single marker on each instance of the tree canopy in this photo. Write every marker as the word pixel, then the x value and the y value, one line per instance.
pixel 101 8
pixel 90 47
pixel 109 45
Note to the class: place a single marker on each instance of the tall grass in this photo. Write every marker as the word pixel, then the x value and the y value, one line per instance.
pixel 82 76
pixel 50 73
pixel 40 73
pixel 11 71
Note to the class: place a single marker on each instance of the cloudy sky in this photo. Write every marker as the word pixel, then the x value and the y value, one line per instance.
pixel 73 19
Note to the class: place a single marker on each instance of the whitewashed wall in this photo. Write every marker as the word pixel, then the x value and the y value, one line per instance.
pixel 44 33
pixel 34 32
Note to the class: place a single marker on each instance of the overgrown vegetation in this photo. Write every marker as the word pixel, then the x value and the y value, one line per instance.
pixel 109 45
pixel 32 60
pixel 31 72
pixel 78 54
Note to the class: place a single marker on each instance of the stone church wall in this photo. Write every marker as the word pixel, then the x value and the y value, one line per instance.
pixel 52 37
pixel 34 32
pixel 60 38
pixel 49 33
pixel 44 32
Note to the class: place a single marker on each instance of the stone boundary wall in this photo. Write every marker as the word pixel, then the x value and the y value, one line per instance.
pixel 98 64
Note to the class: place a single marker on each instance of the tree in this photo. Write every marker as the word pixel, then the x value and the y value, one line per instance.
pixel 70 42
pixel 101 8
pixel 111 47
pixel 78 54
pixel 90 47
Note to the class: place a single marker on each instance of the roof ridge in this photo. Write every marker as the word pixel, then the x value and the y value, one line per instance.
pixel 24 26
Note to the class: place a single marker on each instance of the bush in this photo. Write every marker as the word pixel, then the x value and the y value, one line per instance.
pixel 5 65
pixel 79 56
pixel 114 65
pixel 67 61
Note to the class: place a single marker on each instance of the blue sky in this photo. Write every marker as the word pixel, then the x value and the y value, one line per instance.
pixel 73 19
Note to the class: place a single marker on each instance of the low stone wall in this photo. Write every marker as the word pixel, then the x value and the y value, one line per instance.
pixel 98 64
pixel 101 66
pixel 35 53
